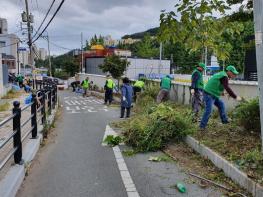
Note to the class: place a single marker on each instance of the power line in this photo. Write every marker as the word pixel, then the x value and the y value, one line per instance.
pixel 50 20
pixel 44 18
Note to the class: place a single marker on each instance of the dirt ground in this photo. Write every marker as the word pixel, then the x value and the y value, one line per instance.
pixel 192 162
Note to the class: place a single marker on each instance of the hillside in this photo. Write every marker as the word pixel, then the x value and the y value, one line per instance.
pixel 140 35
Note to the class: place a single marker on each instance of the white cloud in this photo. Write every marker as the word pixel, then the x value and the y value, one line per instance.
pixel 104 17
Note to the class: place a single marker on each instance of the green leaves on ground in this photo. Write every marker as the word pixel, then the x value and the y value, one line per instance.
pixel 113 140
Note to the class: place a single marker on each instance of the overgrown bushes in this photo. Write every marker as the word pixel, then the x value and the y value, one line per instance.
pixel 247 115
pixel 151 130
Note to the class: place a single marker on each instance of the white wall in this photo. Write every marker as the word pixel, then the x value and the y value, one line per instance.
pixel 146 66
pixel 3 88
pixel 180 91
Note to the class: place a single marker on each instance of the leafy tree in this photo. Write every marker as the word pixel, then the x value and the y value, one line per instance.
pixel 87 46
pixel 114 65
pixel 41 63
pixel 147 48
pixel 198 28
pixel 67 63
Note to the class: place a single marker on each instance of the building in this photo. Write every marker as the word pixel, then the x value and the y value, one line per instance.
pixel 147 67
pixel 23 59
pixel 3 26
pixel 129 41
pixel 108 41
pixel 42 53
pixel 8 47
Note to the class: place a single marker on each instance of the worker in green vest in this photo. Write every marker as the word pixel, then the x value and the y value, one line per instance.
pixel 213 90
pixel 165 84
pixel 20 80
pixel 197 87
pixel 109 85
pixel 85 85
pixel 137 88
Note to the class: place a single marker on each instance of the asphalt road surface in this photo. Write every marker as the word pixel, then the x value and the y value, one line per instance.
pixel 77 165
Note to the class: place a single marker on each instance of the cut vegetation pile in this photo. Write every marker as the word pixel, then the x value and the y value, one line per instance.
pixel 151 130
pixel 155 125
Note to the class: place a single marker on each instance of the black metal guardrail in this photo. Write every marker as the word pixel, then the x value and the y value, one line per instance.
pixel 45 95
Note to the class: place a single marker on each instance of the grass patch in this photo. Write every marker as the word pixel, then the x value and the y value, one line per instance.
pixel 129 152
pixel 4 107
pixel 12 94
pixel 239 141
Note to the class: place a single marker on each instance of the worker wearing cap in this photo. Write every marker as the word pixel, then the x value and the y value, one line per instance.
pixel 137 88
pixel 166 84
pixel 197 87
pixel 212 92
pixel 109 85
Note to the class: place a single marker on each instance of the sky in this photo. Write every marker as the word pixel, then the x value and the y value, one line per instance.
pixel 105 17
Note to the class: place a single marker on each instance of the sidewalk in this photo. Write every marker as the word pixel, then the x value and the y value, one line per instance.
pixel 6 130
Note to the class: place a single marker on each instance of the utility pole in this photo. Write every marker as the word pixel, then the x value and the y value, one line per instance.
pixel 29 35
pixel 49 58
pixel 258 19
pixel 17 54
pixel 160 63
pixel 82 58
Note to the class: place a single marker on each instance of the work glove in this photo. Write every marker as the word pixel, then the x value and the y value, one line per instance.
pixel 192 91
pixel 124 98
pixel 238 98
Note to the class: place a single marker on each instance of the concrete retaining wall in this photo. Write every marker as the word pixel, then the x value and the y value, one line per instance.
pixel 180 91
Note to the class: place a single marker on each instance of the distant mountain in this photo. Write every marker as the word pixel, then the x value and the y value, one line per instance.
pixel 140 35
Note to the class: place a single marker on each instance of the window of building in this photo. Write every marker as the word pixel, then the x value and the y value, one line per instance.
pixel 2 43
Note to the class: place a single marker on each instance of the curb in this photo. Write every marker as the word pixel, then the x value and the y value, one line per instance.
pixel 229 169
pixel 12 181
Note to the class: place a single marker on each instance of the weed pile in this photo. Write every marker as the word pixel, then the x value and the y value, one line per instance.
pixel 156 125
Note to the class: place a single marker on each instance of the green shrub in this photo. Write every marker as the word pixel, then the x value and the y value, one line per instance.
pixel 247 114
pixel 150 91
pixel 150 131
pixel 254 156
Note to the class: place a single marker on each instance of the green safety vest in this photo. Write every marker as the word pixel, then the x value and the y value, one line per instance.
pixel 200 82
pixel 166 83
pixel 110 84
pixel 85 84
pixel 214 86
pixel 139 84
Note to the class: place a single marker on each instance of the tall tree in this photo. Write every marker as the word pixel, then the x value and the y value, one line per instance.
pixel 197 28
pixel 147 48
pixel 114 65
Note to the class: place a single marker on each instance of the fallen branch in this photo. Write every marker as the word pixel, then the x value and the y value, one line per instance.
pixel 216 184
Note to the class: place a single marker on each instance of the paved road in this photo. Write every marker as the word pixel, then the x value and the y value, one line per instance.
pixel 78 165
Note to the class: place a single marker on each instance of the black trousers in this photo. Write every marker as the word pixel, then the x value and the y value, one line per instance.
pixel 108 95
pixel 135 91
pixel 128 112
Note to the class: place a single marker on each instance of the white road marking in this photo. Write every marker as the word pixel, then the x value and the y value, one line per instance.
pixel 82 105
pixel 125 174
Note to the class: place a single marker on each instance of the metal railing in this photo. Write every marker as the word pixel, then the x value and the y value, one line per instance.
pixel 45 96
